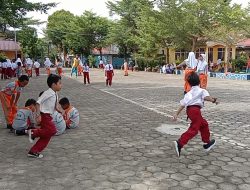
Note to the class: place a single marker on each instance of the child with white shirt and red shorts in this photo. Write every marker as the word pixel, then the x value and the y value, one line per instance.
pixel 193 102
pixel 46 105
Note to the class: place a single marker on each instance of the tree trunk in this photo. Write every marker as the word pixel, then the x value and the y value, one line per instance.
pixel 228 58
pixel 194 41
pixel 167 55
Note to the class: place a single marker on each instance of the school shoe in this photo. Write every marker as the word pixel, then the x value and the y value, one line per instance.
pixel 31 139
pixel 209 145
pixel 35 155
pixel 9 126
pixel 177 148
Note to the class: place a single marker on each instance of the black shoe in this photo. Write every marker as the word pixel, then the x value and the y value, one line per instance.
pixel 35 155
pixel 19 132
pixel 9 126
pixel 11 130
pixel 177 148
pixel 209 145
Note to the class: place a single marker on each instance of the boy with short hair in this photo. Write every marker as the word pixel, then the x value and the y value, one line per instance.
pixel 58 121
pixel 9 97
pixel 24 119
pixel 45 107
pixel 193 101
pixel 71 115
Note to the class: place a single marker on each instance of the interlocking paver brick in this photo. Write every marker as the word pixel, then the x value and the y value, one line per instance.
pixel 117 145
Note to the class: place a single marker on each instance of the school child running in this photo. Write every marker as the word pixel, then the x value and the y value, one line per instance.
pixel 193 102
pixel 45 107
pixel 24 119
pixel 9 97
pixel 71 114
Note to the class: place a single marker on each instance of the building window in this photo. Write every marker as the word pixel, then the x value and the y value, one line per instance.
pixel 221 53
pixel 199 52
pixel 181 55
pixel 210 55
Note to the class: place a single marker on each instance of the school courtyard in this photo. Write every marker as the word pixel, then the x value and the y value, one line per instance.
pixel 125 139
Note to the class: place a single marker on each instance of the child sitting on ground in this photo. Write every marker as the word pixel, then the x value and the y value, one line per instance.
pixel 59 123
pixel 71 115
pixel 24 119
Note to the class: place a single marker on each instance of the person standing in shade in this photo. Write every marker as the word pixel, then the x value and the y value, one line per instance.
pixel 109 73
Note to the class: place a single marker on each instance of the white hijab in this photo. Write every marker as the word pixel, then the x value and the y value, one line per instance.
pixel 202 65
pixel 47 62
pixel 191 61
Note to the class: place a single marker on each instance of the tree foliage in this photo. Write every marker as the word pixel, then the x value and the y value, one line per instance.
pixel 13 13
pixel 79 34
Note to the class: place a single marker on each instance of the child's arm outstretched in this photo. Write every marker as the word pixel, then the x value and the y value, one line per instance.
pixel 211 99
pixel 178 112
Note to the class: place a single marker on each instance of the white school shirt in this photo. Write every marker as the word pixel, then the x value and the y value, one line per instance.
pixel 4 65
pixel 14 65
pixel 202 67
pixel 86 69
pixel 47 63
pixel 108 67
pixel 8 64
pixel 59 122
pixel 48 101
pixel 194 97
pixel 37 65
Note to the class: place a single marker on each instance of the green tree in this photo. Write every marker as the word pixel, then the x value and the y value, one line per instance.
pixel 125 31
pixel 90 31
pixel 58 27
pixel 28 39
pixel 13 13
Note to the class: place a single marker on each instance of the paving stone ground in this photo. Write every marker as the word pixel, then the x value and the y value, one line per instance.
pixel 118 147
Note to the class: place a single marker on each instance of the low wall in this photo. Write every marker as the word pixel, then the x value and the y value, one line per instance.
pixel 233 76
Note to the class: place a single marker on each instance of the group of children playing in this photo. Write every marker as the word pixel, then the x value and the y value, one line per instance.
pixel 47 116
pixel 41 119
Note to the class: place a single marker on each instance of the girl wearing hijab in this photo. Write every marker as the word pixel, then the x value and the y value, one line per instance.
pixel 47 65
pixel 202 69
pixel 191 64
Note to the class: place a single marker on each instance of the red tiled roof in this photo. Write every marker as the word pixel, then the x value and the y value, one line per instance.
pixel 244 43
pixel 7 45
